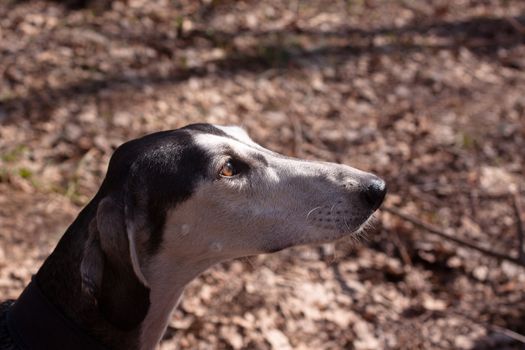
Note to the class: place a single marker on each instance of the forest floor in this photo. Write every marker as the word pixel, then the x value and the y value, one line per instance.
pixel 430 95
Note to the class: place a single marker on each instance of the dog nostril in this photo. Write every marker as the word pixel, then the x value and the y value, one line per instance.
pixel 375 192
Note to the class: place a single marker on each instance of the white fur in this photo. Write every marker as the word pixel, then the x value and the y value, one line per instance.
pixel 134 256
pixel 238 133
pixel 288 202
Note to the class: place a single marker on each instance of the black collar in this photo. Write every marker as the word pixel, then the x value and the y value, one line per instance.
pixel 34 323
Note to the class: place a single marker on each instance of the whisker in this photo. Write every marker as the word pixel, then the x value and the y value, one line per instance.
pixel 346 224
pixel 367 226
pixel 335 258
pixel 332 209
pixel 311 211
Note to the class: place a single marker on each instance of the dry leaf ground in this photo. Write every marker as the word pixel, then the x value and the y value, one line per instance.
pixel 428 94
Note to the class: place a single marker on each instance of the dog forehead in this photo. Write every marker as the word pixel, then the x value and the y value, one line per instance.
pixel 235 139
pixel 237 133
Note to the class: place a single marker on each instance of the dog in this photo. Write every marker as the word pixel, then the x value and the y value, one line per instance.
pixel 172 204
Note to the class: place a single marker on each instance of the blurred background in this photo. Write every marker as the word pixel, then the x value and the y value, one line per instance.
pixel 430 95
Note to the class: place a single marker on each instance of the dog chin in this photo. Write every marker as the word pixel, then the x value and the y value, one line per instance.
pixel 356 232
pixel 322 238
pixel 366 225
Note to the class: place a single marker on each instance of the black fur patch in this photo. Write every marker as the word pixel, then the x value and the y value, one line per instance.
pixel 6 342
pixel 150 175
pixel 163 170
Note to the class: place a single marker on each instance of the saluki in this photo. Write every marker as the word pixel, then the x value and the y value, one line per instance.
pixel 172 204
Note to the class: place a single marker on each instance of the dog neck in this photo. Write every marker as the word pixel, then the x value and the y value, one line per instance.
pixel 60 282
pixel 165 294
pixel 34 323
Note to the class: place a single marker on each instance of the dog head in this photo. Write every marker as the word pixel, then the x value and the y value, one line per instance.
pixel 248 200
pixel 203 193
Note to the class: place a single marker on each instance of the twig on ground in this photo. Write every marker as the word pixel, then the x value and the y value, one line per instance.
pixel 516 203
pixel 520 28
pixel 494 328
pixel 509 333
pixel 438 232
pixel 402 250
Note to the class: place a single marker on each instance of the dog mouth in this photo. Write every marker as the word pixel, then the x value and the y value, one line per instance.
pixel 366 225
pixel 330 226
pixel 337 218
pixel 325 230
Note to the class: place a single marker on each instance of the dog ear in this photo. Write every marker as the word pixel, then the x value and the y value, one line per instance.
pixel 92 264
pixel 109 267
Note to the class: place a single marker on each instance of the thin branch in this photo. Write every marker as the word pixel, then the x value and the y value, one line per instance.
pixel 519 225
pixel 494 328
pixel 438 232
pixel 508 332
pixel 520 28
pixel 402 250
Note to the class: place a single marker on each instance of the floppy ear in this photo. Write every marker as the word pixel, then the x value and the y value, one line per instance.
pixel 110 267
pixel 92 264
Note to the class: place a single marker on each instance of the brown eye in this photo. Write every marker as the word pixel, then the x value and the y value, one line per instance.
pixel 227 170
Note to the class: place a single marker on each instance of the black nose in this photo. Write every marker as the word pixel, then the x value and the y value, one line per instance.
pixel 374 192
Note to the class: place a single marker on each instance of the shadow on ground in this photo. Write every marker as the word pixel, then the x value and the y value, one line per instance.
pixel 278 49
